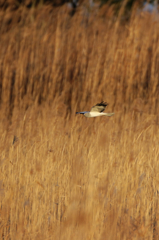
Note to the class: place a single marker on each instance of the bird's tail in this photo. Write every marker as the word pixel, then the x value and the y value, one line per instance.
pixel 109 114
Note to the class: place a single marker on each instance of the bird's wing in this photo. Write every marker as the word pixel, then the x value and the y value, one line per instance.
pixel 99 107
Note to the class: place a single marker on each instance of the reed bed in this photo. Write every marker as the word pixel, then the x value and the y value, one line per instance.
pixel 65 176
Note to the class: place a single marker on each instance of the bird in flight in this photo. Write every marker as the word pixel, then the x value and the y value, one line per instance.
pixel 97 111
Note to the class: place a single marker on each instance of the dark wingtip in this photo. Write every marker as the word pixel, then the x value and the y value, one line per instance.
pixel 102 103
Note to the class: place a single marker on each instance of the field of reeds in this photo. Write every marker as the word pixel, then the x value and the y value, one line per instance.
pixel 64 176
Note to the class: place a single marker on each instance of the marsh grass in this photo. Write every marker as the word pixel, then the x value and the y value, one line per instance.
pixel 65 176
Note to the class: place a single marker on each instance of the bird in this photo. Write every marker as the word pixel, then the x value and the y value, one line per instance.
pixel 97 111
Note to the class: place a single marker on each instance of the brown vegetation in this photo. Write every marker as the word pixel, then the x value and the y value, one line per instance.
pixel 64 176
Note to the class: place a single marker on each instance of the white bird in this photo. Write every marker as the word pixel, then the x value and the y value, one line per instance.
pixel 97 111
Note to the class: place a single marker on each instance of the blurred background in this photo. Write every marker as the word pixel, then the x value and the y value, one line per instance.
pixel 81 52
pixel 65 176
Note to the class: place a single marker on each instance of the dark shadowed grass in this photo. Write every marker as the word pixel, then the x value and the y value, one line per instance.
pixel 84 58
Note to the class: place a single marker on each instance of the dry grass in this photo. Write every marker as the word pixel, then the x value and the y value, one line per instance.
pixel 64 176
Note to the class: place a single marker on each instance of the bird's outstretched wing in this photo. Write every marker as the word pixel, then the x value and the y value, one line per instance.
pixel 99 107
